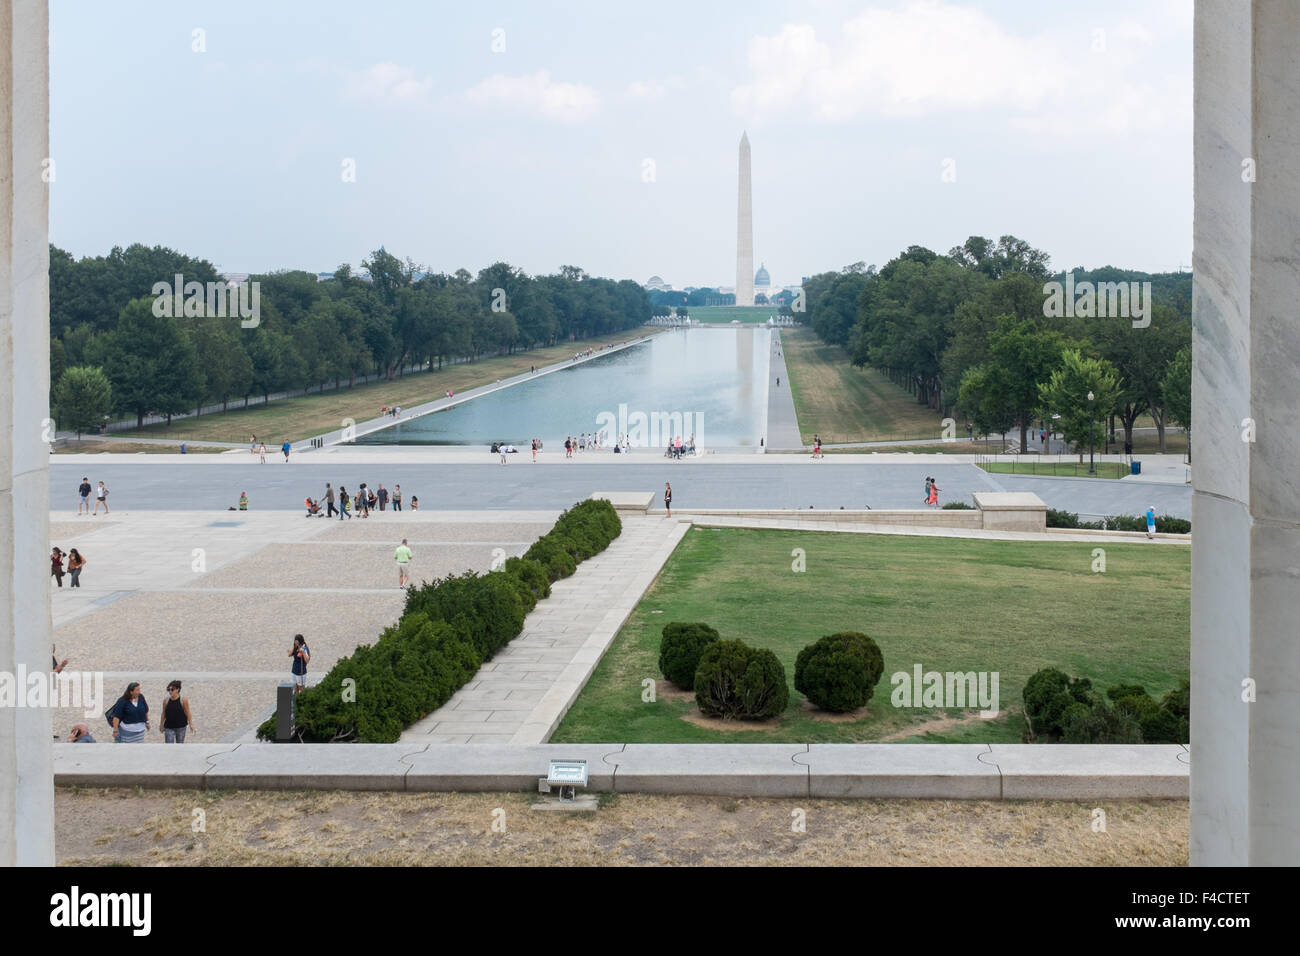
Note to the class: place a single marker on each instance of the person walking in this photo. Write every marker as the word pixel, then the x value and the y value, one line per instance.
pixel 933 500
pixel 285 448
pixel 502 448
pixel 261 453
pixel 176 715
pixel 343 504
pixel 101 498
pixel 252 446
pixel 129 717
pixel 382 495
pixel 362 501
pixel 668 499
pixel 534 451
pixel 926 499
pixel 56 566
pixel 330 510
pixel 403 558
pixel 1151 522
pixel 83 496
pixel 397 497
pixel 301 655
pixel 75 563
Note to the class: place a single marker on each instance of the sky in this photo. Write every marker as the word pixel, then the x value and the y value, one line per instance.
pixel 288 135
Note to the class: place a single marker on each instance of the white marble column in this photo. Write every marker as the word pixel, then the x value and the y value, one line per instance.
pixel 26 778
pixel 1245 761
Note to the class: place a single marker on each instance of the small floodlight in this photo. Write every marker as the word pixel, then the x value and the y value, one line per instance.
pixel 567 775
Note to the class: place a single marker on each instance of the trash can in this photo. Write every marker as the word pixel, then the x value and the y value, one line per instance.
pixel 1137 467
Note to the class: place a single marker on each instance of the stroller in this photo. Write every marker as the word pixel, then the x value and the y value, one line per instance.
pixel 313 507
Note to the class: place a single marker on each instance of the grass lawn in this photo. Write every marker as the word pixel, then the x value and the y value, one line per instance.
pixel 948 604
pixel 298 418
pixel 91 447
pixel 842 403
pixel 1061 469
pixel 723 314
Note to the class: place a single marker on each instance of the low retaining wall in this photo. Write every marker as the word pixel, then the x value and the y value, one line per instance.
pixel 877 771
pixel 932 518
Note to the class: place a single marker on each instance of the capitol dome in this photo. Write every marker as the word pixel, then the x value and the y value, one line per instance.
pixel 761 279
pixel 655 282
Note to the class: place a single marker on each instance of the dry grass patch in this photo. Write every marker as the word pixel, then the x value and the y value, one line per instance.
pixel 273 828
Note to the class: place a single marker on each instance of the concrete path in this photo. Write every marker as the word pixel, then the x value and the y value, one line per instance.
pixel 520 695
pixel 782 423
pixel 476 480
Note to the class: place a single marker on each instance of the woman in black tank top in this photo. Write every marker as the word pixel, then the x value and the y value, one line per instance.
pixel 176 715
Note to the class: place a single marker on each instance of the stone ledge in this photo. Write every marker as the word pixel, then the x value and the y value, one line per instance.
pixel 639 501
pixel 861 771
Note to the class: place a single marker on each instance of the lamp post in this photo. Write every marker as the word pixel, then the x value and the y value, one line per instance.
pixel 1092 468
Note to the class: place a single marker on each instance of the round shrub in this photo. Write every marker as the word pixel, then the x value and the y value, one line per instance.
pixel 736 680
pixel 1047 694
pixel 533 576
pixel 680 650
pixel 839 673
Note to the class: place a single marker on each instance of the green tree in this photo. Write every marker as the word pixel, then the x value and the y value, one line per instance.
pixel 151 362
pixel 1021 358
pixel 1066 394
pixel 1177 391
pixel 83 398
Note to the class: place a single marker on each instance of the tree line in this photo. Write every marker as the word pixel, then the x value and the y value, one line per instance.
pixel 968 334
pixel 110 352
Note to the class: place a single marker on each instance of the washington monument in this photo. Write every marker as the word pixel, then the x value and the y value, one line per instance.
pixel 744 232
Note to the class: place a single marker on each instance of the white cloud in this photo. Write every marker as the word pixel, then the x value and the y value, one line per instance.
pixel 926 56
pixel 537 94
pixel 646 90
pixel 388 83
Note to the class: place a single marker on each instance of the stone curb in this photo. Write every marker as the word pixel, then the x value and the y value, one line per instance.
pixel 843 771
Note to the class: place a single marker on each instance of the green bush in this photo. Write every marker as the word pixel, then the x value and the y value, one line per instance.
pixel 957 506
pixel 531 574
pixel 839 673
pixel 557 561
pixel 1166 524
pixel 1068 710
pixel 736 680
pixel 447 630
pixel 680 649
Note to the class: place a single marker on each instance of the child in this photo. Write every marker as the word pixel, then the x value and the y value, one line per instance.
pixel 415 503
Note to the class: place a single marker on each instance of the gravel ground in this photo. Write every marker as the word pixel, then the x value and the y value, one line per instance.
pixel 390 527
pixel 195 631
pixel 219 708
pixel 344 566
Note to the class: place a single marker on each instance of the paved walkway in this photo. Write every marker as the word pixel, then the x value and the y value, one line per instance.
pixel 782 422
pixel 520 695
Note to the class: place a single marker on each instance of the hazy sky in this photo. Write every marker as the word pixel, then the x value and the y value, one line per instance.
pixel 604 135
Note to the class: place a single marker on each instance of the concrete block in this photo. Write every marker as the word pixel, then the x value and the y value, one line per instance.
pixel 311 767
pixel 497 767
pixel 1090 771
pixel 751 770
pixel 182 766
pixel 888 771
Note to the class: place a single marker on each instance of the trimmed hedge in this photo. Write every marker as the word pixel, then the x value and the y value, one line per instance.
pixel 1165 524
pixel 736 680
pixel 680 650
pixel 1070 711
pixel 448 628
pixel 839 673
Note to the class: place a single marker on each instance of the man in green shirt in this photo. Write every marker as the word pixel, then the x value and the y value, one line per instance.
pixel 403 557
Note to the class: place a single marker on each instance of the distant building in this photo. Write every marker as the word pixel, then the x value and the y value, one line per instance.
pixel 656 284
pixel 234 278
pixel 762 281
pixel 324 276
